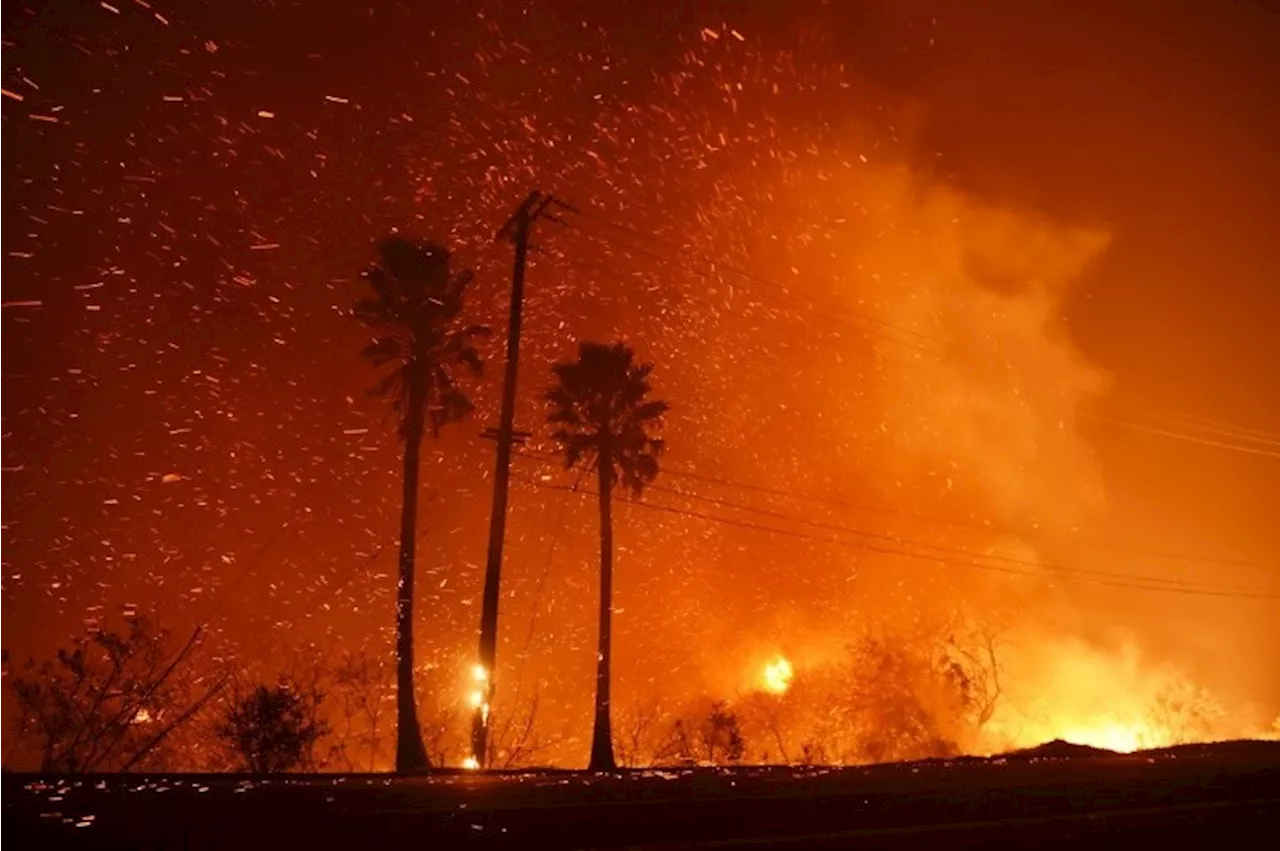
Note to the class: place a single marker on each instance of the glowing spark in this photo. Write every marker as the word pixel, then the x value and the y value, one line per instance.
pixel 777 676
pixel 479 674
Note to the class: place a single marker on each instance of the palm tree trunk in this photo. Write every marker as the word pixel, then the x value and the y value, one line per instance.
pixel 602 735
pixel 410 753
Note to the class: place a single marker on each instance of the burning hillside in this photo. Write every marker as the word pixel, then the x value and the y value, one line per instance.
pixel 886 523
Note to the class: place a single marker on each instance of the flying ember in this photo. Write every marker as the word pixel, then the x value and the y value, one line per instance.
pixel 950 462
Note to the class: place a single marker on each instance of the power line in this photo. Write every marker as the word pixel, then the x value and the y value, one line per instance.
pixel 537 594
pixel 901 541
pixel 1270 435
pixel 593 215
pixel 685 473
pixel 218 602
pixel 1189 438
pixel 1208 424
pixel 898 539
pixel 863 332
pixel 1112 580
pixel 770 296
pixel 1222 430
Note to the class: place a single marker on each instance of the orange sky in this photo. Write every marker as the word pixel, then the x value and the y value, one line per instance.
pixel 1067 207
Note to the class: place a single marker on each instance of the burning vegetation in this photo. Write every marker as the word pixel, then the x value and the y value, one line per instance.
pixel 879 529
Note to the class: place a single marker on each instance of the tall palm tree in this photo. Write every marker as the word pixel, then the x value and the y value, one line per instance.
pixel 603 416
pixel 414 314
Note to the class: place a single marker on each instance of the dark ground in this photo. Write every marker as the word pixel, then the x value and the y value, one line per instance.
pixel 1055 797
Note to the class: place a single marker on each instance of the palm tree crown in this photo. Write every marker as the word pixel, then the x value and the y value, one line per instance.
pixel 599 404
pixel 414 314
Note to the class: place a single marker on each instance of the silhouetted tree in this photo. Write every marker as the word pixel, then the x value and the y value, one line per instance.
pixel 361 682
pixel 905 699
pixel 678 747
pixel 414 314
pixel 516 741
pixel 721 734
pixel 108 702
pixel 975 667
pixel 640 729
pixel 599 404
pixel 273 728
pixel 707 733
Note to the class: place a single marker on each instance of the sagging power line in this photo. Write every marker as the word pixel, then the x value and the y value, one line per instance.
pixel 1103 578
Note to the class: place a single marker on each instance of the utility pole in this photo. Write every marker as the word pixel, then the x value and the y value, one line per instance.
pixel 516 230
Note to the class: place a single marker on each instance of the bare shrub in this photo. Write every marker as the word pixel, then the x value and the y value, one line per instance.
pixel 109 702
pixel 273 729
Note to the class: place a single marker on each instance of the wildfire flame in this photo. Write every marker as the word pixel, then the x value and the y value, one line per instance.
pixel 777 676
pixel 1114 736
pixel 470 763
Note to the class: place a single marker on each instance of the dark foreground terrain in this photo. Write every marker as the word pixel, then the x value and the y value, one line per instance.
pixel 1058 796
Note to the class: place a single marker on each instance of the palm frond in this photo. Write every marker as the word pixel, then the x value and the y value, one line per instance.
pixel 461 350
pixel 600 399
pixel 564 416
pixel 580 447
pixel 638 471
pixel 414 265
pixel 383 284
pixel 382 350
pixel 650 411
pixel 389 386
pixel 372 312
pixel 452 407
pixel 577 447
pixel 414 310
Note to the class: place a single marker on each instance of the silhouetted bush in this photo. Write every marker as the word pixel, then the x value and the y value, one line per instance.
pixel 109 702
pixel 273 729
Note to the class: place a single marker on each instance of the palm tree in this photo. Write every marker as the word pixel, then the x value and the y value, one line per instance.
pixel 604 419
pixel 414 315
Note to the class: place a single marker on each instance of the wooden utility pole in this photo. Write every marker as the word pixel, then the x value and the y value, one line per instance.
pixel 516 230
